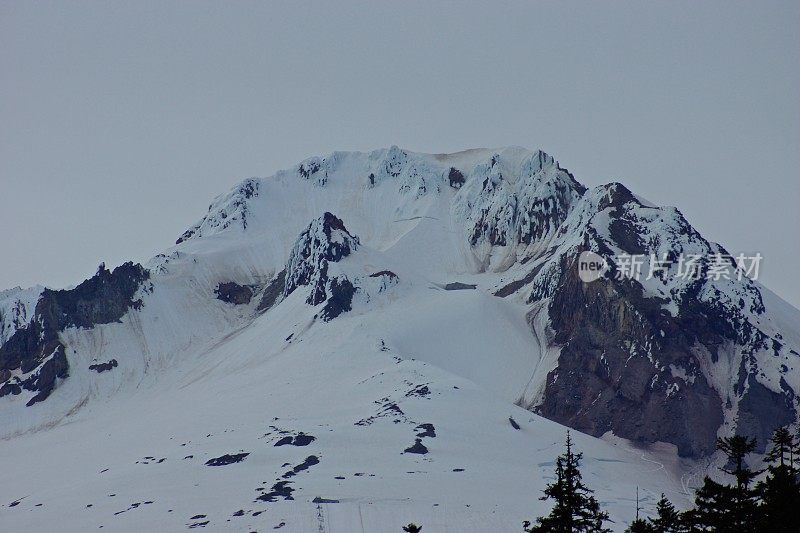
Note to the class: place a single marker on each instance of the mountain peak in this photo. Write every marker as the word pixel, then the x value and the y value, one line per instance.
pixel 509 222
pixel 426 286
pixel 325 240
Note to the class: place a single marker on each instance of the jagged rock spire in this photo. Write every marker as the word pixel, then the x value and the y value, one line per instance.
pixel 326 240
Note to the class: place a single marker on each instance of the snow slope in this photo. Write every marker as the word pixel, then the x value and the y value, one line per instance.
pixel 361 396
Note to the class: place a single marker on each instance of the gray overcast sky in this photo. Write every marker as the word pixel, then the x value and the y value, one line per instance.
pixel 119 122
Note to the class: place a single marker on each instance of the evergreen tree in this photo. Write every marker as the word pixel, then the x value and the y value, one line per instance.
pixel 714 508
pixel 640 525
pixel 412 528
pixel 780 491
pixel 575 509
pixel 745 497
pixel 668 519
pixel 782 447
pixel 794 452
pixel 725 508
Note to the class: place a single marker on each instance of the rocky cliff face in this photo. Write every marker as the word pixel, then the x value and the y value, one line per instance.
pixel 643 358
pixel 325 241
pixel 33 357
pixel 618 368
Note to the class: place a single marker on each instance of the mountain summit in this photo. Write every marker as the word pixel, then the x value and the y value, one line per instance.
pixel 372 300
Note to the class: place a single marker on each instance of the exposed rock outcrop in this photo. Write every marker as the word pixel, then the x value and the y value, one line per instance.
pixel 226 211
pixel 272 292
pixel 325 241
pixel 636 352
pixel 614 372
pixel 233 293
pixel 104 367
pixel 35 353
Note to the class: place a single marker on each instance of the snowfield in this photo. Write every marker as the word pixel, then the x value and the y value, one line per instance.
pixel 364 400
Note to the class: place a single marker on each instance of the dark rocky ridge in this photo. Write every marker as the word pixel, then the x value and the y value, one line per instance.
pixel 272 292
pixel 227 459
pixel 101 299
pixel 313 251
pixel 308 265
pixel 614 372
pixel 104 367
pixel 233 293
pixel 458 286
pixel 762 410
pixel 456 178
pixel 340 299
pixel 388 273
pixel 627 365
pixel 43 381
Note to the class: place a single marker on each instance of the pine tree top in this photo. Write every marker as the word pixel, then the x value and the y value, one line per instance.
pixel 575 509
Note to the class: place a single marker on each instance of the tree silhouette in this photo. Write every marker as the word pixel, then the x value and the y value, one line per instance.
pixel 736 448
pixel 713 510
pixel 782 448
pixel 575 509
pixel 725 508
pixel 640 525
pixel 668 519
pixel 780 491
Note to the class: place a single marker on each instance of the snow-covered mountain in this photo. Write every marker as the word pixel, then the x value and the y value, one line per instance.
pixel 368 339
